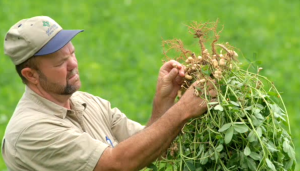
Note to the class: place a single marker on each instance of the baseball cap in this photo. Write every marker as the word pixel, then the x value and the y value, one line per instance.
pixel 35 36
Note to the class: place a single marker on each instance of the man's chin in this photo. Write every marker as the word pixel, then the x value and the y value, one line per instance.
pixel 78 86
pixel 70 89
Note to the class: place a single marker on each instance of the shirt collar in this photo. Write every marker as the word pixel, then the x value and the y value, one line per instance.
pixel 47 105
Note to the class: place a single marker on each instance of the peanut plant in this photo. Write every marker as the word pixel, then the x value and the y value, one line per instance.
pixel 246 126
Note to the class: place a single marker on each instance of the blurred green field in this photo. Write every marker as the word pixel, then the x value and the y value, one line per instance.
pixel 120 51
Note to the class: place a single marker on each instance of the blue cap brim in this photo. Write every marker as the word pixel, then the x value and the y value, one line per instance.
pixel 58 42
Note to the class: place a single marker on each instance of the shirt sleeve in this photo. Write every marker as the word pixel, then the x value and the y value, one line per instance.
pixel 122 127
pixel 117 122
pixel 51 146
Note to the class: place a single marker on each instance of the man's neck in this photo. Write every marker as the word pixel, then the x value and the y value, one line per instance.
pixel 62 100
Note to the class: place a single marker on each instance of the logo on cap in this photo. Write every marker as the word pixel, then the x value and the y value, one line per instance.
pixel 46 23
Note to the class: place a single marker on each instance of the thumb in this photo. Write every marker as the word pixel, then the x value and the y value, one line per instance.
pixel 172 75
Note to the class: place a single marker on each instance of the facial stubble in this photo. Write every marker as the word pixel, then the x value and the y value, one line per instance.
pixel 56 88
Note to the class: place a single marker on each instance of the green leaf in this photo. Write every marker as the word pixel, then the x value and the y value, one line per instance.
pixel 201 149
pixel 272 94
pixel 204 158
pixel 271 147
pixel 234 103
pixel 275 108
pixel 259 131
pixel 255 156
pixel 225 127
pixel 210 154
pixel 277 111
pixel 259 106
pixel 289 164
pixel 219 148
pixel 247 151
pixel 228 135
pixel 189 166
pixel 218 107
pixel 217 156
pixel 205 70
pixel 256 122
pixel 242 160
pixel 251 164
pixel 218 137
pixel 259 116
pixel 236 83
pixel 163 168
pixel 256 110
pixel 240 128
pixel 288 149
pixel 199 169
pixel 248 108
pixel 251 137
pixel 277 164
pixel 152 167
pixel 213 103
pixel 187 151
pixel 270 165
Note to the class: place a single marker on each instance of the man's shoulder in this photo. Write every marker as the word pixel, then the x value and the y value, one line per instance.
pixel 23 118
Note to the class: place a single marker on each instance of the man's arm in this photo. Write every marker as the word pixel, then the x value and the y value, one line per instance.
pixel 143 148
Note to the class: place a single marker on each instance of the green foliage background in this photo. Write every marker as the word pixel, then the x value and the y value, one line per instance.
pixel 120 51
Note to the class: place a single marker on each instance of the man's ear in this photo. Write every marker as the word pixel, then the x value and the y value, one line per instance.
pixel 31 75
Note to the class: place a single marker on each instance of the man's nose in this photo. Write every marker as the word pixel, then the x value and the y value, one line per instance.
pixel 72 63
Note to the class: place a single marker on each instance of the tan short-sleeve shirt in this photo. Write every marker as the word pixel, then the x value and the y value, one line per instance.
pixel 44 136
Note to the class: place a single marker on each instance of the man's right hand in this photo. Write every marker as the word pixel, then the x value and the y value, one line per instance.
pixel 193 105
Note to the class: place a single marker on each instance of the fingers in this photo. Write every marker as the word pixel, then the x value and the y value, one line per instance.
pixel 179 67
pixel 209 88
pixel 193 104
pixel 179 80
pixel 174 72
pixel 172 75
pixel 168 66
pixel 211 84
pixel 213 93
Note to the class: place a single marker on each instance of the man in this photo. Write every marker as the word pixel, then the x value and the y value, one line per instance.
pixel 56 127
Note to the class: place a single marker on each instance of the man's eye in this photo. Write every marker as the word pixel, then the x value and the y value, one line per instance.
pixel 60 64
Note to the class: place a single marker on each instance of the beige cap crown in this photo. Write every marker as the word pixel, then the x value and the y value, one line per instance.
pixel 28 36
pixel 35 36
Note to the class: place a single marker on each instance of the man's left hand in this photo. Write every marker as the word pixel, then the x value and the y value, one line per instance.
pixel 171 76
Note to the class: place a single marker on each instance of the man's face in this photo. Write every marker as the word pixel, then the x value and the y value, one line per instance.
pixel 58 72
